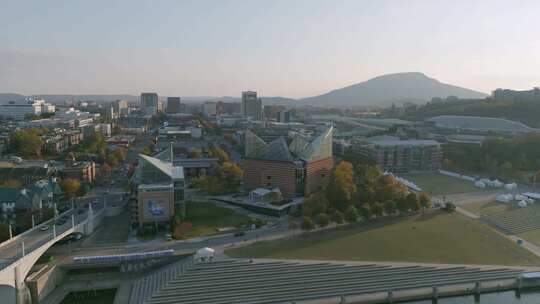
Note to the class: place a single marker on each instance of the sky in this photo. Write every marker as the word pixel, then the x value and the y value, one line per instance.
pixel 291 48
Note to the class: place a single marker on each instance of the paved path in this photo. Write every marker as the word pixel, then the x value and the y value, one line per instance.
pixel 467 213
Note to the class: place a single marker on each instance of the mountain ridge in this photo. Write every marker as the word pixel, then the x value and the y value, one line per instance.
pixel 392 88
pixel 382 90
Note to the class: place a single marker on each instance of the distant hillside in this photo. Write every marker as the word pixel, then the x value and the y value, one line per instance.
pixel 4 97
pixel 392 88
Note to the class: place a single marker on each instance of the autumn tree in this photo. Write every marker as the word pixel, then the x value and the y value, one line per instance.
pixel 342 189
pixel 11 183
pixel 26 142
pixel 220 154
pixel 120 153
pixel 315 204
pixel 412 202
pixel 424 200
pixel 146 151
pixel 70 186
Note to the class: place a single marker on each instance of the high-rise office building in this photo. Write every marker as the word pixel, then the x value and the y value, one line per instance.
pixel 251 105
pixel 174 105
pixel 150 104
pixel 283 116
pixel 121 108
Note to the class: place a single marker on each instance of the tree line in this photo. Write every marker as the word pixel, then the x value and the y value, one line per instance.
pixel 359 193
pixel 510 159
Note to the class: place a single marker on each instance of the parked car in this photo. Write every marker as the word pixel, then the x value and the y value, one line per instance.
pixel 168 237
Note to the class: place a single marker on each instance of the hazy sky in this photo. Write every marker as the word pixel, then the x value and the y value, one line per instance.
pixel 278 48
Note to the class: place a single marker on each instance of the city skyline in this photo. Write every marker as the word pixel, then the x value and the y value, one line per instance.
pixel 278 48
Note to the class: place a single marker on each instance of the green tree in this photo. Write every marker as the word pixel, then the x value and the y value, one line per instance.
pixel 315 204
pixel 390 207
pixel 402 205
pixel 146 151
pixel 307 224
pixel 365 211
pixel 337 217
pixel 377 209
pixel 26 142
pixel 4 232
pixel 351 215
pixel 322 219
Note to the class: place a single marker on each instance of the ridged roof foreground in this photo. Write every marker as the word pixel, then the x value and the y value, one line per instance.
pixel 301 147
pixel 274 281
pixel 166 167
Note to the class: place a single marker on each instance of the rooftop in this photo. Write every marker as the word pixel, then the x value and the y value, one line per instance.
pixel 409 142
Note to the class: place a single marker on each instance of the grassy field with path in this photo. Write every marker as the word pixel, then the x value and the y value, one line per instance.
pixel 438 184
pixel 489 207
pixel 431 238
pixel 206 218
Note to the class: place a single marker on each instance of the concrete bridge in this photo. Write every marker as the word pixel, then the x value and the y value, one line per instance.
pixel 19 254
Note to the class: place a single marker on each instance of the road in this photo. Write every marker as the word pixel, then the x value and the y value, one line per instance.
pixel 35 238
pixel 280 229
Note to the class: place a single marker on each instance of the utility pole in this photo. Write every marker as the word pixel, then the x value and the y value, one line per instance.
pixel 23 250
pixel 10 232
pixel 33 221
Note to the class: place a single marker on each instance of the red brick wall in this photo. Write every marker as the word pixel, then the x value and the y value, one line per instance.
pixel 282 175
pixel 317 174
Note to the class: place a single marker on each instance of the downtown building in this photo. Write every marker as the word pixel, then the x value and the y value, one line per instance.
pixel 298 168
pixel 401 156
pixel 252 106
pixel 174 105
pixel 150 104
pixel 158 186
pixel 19 109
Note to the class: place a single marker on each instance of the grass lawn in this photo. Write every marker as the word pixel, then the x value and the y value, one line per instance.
pixel 206 218
pixel 532 236
pixel 431 238
pixel 438 184
pixel 488 207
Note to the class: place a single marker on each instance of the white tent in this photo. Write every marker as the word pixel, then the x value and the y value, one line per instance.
pixel 504 198
pixel 520 197
pixel 205 254
pixel 479 184
pixel 510 186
